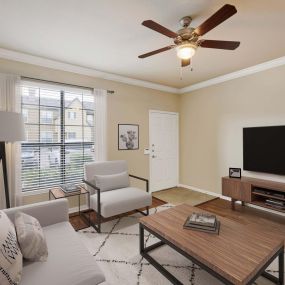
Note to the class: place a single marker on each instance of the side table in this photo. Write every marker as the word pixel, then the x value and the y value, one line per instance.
pixel 57 193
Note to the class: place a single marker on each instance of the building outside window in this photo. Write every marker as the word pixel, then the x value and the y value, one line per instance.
pixel 90 119
pixel 72 115
pixel 71 136
pixel 46 137
pixel 59 138
pixel 46 117
pixel 25 114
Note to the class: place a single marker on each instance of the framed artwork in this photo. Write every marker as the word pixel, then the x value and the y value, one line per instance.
pixel 235 173
pixel 128 137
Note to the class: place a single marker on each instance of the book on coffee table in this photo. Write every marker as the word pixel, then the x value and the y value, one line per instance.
pixel 203 219
pixel 202 222
pixel 214 230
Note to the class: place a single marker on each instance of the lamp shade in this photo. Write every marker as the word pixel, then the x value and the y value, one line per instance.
pixel 11 127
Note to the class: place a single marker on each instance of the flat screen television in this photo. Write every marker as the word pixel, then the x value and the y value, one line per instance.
pixel 264 149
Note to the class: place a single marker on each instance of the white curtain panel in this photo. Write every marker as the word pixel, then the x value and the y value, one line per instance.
pixel 10 100
pixel 100 124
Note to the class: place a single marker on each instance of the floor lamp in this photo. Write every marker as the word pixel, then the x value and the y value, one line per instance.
pixel 11 130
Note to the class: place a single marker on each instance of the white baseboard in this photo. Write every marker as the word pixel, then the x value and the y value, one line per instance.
pixel 203 191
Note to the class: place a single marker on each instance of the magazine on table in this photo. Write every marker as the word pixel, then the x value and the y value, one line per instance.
pixel 202 222
pixel 70 188
pixel 203 219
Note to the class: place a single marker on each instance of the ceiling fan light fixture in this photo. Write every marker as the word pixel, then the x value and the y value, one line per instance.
pixel 186 51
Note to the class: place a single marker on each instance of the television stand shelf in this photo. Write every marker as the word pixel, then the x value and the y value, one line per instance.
pixel 260 192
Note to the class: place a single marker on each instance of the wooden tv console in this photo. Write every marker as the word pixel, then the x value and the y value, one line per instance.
pixel 254 191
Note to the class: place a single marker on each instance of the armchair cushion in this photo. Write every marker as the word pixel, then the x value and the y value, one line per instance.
pixel 103 168
pixel 121 201
pixel 112 181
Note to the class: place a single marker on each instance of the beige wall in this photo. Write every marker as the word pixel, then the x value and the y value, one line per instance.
pixel 129 104
pixel 212 119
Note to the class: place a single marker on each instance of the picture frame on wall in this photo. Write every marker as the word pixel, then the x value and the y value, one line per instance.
pixel 128 137
pixel 234 172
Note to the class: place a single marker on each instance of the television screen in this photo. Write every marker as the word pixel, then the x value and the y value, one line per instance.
pixel 264 149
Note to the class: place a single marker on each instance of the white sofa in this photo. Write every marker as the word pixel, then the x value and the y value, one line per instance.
pixel 69 262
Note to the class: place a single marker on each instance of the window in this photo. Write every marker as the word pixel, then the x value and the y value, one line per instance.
pixel 90 119
pixel 46 137
pixel 56 148
pixel 72 115
pixel 71 135
pixel 46 117
pixel 25 114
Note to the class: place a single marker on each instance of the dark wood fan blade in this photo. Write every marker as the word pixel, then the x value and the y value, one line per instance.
pixel 158 28
pixel 220 16
pixel 219 44
pixel 156 51
pixel 185 62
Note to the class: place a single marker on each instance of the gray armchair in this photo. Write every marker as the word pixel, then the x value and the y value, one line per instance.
pixel 110 191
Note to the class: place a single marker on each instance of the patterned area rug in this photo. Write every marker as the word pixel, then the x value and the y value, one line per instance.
pixel 116 250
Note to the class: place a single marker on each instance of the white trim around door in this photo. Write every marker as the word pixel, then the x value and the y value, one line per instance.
pixel 163 149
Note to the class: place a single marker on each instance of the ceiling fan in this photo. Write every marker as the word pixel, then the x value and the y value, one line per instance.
pixel 187 39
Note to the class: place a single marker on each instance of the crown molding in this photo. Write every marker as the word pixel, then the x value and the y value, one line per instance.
pixel 44 62
pixel 237 74
pixel 40 61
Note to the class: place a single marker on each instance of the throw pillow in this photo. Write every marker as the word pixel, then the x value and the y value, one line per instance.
pixel 113 181
pixel 11 259
pixel 31 237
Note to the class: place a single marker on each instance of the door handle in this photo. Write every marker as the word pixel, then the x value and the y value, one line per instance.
pixel 153 156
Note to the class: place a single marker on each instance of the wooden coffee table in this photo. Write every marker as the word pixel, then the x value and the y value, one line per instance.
pixel 238 255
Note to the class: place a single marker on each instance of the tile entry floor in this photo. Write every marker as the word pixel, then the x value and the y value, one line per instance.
pixel 179 195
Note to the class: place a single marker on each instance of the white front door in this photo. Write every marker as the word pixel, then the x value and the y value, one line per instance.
pixel 163 137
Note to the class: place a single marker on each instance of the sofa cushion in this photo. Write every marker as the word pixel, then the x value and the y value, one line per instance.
pixel 31 237
pixel 121 201
pixel 69 262
pixel 10 254
pixel 112 181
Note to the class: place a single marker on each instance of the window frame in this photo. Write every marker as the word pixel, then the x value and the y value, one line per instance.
pixel 62 144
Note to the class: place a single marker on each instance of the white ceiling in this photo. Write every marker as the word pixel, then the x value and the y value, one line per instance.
pixel 107 35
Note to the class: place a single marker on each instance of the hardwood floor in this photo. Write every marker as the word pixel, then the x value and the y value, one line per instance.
pixel 78 223
pixel 242 214
pixel 247 215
